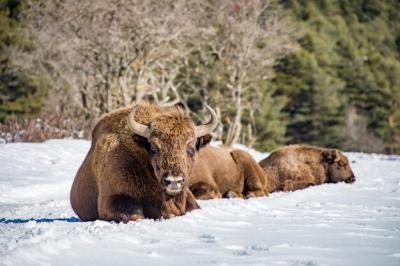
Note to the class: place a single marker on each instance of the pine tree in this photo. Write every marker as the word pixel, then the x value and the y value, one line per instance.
pixel 20 93
pixel 342 85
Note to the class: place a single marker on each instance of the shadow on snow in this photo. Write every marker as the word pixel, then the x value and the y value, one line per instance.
pixel 40 220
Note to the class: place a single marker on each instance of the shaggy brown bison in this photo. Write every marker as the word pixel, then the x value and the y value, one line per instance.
pixel 139 165
pixel 296 167
pixel 221 172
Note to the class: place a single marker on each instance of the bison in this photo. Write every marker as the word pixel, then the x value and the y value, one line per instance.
pixel 139 165
pixel 220 172
pixel 296 167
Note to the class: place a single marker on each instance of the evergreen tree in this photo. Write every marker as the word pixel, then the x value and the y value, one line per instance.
pixel 20 93
pixel 347 65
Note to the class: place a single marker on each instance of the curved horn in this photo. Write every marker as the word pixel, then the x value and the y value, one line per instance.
pixel 210 126
pixel 136 127
pixel 337 155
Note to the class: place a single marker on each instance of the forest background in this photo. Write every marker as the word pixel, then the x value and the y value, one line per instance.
pixel 319 72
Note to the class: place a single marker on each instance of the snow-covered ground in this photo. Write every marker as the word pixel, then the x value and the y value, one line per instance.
pixel 335 224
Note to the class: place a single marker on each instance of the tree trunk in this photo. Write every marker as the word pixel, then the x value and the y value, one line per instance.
pixel 109 99
pixel 123 84
pixel 235 127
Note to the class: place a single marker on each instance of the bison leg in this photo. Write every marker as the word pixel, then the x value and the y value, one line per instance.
pixel 204 191
pixel 256 193
pixel 253 175
pixel 290 185
pixel 302 185
pixel 133 217
pixel 287 186
pixel 119 208
pixel 232 194
pixel 191 203
pixel 179 205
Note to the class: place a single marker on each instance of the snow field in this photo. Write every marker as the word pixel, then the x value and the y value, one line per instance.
pixel 332 224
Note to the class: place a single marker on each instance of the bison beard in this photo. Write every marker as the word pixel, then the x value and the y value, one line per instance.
pixel 139 167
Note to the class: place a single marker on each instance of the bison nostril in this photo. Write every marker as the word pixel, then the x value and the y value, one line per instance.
pixel 166 182
pixel 175 182
pixel 173 185
pixel 351 179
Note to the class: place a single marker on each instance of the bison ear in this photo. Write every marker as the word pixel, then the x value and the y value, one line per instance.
pixel 203 141
pixel 331 156
pixel 180 105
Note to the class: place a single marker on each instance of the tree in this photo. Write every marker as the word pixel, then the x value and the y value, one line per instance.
pixel 342 84
pixel 20 93
pixel 133 54
pixel 240 42
pixel 215 52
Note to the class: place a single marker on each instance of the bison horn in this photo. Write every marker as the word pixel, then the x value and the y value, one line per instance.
pixel 136 127
pixel 210 126
pixel 337 155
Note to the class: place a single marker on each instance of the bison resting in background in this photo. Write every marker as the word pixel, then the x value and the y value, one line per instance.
pixel 296 167
pixel 139 165
pixel 221 172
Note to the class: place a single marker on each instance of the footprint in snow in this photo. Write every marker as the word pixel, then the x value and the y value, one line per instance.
pixel 305 263
pixel 256 247
pixel 207 238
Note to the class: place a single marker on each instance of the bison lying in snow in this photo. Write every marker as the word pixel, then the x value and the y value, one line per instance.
pixel 220 172
pixel 139 165
pixel 296 167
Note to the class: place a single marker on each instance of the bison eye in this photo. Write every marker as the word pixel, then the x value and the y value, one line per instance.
pixel 190 151
pixel 153 149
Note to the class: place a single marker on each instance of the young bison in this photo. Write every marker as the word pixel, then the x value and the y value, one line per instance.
pixel 296 167
pixel 139 165
pixel 221 172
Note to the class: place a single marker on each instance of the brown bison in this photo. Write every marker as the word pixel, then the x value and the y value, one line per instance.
pixel 139 165
pixel 296 167
pixel 221 172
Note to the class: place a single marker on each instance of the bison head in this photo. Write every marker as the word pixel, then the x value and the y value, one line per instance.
pixel 338 168
pixel 173 142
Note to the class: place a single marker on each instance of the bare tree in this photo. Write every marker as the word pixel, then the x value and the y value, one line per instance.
pixel 109 53
pixel 240 40
pixel 357 135
pixel 100 55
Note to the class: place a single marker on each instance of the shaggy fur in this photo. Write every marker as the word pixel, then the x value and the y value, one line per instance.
pixel 253 174
pixel 296 167
pixel 218 172
pixel 119 180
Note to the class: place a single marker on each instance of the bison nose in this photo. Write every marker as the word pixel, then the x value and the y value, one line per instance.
pixel 173 184
pixel 351 179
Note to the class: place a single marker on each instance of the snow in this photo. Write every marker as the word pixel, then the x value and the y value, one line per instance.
pixel 332 224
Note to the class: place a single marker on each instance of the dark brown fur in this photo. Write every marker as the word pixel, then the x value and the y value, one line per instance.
pixel 119 180
pixel 221 172
pixel 296 167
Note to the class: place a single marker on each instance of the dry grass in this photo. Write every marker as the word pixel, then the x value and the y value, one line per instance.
pixel 51 126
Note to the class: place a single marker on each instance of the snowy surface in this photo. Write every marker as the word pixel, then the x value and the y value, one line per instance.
pixel 335 224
